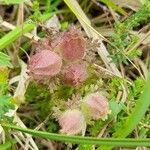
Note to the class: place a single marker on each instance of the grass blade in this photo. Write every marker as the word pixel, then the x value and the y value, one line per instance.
pixel 7 145
pixel 84 140
pixel 8 2
pixel 114 7
pixel 19 31
pixel 137 114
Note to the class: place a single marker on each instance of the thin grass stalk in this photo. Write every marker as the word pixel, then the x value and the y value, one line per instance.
pixel 83 140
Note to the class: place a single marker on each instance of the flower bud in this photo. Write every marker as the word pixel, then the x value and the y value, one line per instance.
pixel 44 64
pixel 72 45
pixel 75 74
pixel 72 122
pixel 98 105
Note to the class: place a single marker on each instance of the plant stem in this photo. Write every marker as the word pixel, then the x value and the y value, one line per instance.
pixel 84 140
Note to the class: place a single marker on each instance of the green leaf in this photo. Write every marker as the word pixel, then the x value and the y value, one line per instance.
pixel 144 1
pixel 7 145
pixel 5 105
pixel 114 6
pixel 138 112
pixel 115 108
pixel 134 118
pixel 85 147
pixel 5 60
pixel 136 89
pixel 122 38
pixel 12 1
pixel 15 34
pixel 3 80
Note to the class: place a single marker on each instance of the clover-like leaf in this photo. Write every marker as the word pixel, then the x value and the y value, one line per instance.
pixel 5 60
pixel 6 105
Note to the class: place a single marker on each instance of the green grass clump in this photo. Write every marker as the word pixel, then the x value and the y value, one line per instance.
pixel 123 40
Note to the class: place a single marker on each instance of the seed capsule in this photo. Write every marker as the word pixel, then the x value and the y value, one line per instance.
pixel 75 74
pixel 98 105
pixel 72 45
pixel 44 64
pixel 72 122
